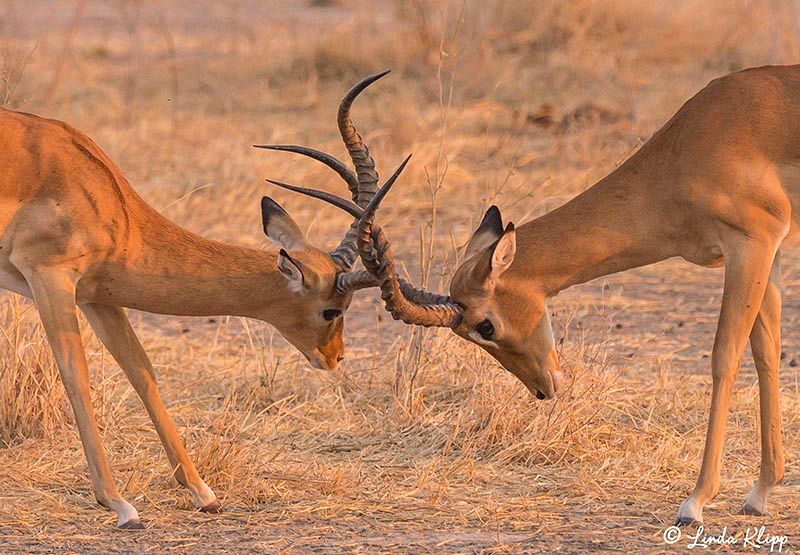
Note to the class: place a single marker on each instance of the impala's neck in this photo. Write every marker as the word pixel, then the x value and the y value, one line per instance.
pixel 613 226
pixel 177 272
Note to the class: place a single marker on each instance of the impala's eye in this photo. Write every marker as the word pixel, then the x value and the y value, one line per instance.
pixel 486 329
pixel 331 314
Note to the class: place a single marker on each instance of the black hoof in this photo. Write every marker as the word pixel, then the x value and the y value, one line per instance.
pixel 212 508
pixel 686 521
pixel 752 511
pixel 134 524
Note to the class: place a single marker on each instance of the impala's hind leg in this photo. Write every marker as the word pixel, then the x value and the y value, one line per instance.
pixel 112 327
pixel 747 268
pixel 54 295
pixel 765 342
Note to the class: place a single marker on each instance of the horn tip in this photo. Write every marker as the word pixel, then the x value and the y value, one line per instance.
pixel 372 78
pixel 281 184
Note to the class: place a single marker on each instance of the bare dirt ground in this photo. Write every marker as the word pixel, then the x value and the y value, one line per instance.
pixel 419 443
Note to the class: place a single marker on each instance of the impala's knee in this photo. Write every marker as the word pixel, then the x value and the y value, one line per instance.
pixel 724 363
pixel 766 363
pixel 145 387
pixel 724 376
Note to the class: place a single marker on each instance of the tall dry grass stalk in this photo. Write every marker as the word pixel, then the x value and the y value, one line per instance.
pixel 13 61
pixel 449 49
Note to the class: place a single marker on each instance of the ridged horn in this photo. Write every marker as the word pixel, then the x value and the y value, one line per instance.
pixel 358 150
pixel 411 305
pixel 363 183
pixel 332 162
pixel 432 309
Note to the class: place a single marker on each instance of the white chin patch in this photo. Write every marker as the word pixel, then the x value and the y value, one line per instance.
pixel 476 337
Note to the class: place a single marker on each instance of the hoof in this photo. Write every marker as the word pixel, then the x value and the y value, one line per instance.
pixel 212 508
pixel 686 521
pixel 134 524
pixel 750 510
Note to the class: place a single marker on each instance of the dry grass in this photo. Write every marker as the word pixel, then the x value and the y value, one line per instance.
pixel 420 443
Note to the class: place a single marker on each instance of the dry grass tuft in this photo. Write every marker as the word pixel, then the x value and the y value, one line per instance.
pixel 32 399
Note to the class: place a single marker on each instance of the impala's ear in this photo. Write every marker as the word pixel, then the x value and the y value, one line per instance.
pixel 279 226
pixel 488 232
pixel 292 271
pixel 503 252
pixel 490 264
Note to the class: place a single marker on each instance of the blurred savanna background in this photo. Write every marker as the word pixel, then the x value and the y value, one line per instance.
pixel 419 443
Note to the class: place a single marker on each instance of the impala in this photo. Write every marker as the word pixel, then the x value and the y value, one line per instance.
pixel 716 185
pixel 74 233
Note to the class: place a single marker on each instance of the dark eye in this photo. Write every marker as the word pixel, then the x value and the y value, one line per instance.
pixel 486 329
pixel 331 314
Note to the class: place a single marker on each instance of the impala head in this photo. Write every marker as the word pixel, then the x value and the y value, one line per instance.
pixel 502 313
pixel 319 290
pixel 490 304
pixel 321 284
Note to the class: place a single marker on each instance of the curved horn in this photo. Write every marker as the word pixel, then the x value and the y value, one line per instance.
pixel 428 301
pixel 332 162
pixel 362 183
pixel 411 305
pixel 353 281
pixel 366 175
pixel 421 296
pixel 400 304
pixel 338 202
pixel 359 152
pixel 345 254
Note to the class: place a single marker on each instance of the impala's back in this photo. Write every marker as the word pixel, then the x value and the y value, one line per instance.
pixel 63 202
pixel 732 152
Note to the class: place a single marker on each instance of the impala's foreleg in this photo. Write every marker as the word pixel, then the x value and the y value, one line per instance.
pixel 747 268
pixel 114 330
pixel 765 342
pixel 54 295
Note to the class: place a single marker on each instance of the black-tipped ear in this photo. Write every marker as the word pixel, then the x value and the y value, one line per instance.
pixel 488 232
pixel 492 221
pixel 270 208
pixel 279 226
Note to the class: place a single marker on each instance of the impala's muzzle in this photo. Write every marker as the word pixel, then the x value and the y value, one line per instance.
pixel 546 382
pixel 322 362
pixel 328 356
pixel 556 386
pixel 552 386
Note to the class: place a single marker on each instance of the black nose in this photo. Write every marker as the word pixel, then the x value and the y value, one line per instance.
pixel 540 395
pixel 340 358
